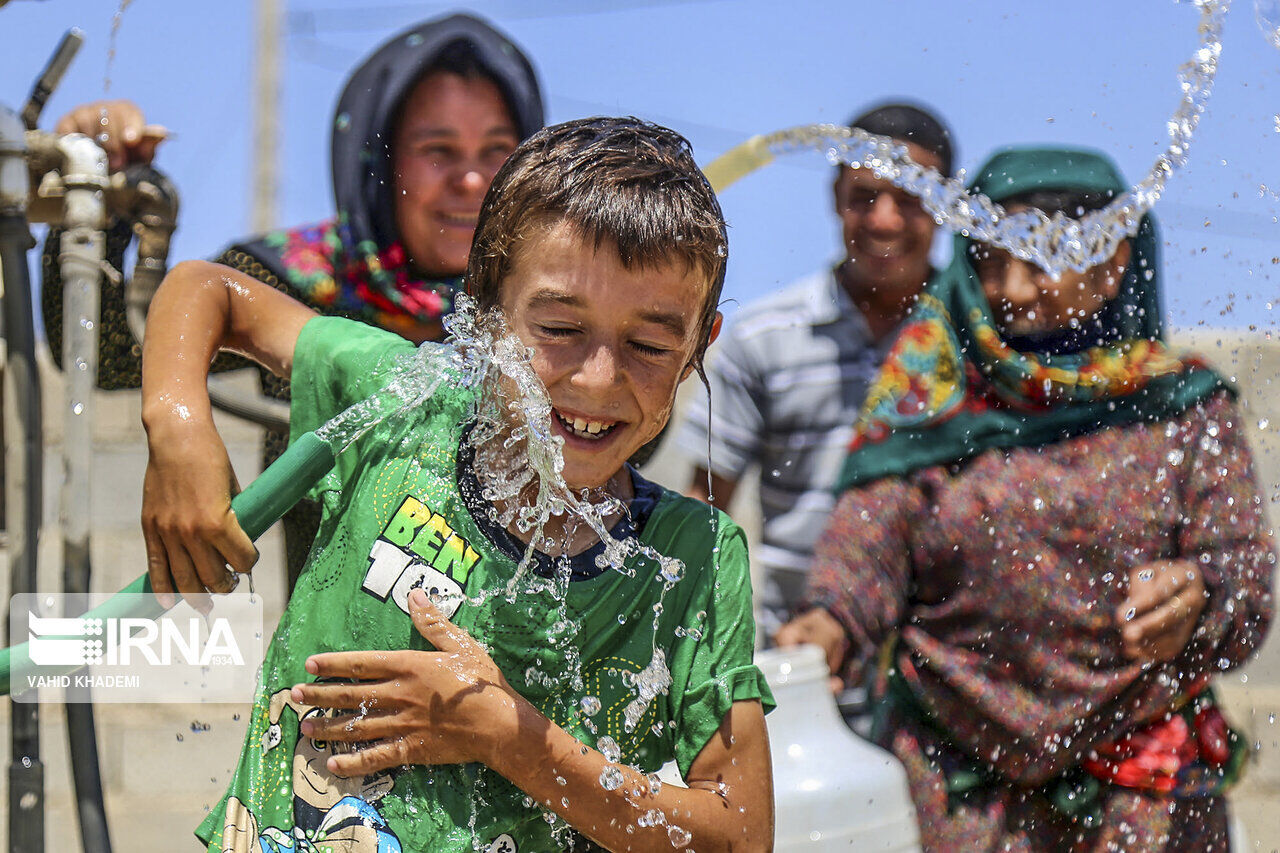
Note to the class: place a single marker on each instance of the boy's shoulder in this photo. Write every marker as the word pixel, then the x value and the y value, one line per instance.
pixel 691 528
pixel 339 337
pixel 338 362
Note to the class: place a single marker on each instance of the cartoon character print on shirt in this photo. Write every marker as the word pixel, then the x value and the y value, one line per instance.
pixel 330 814
pixel 419 548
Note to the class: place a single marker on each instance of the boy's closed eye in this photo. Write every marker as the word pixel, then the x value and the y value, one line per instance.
pixel 559 331
pixel 650 349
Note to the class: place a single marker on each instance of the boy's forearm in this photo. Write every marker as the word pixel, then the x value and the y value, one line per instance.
pixel 564 775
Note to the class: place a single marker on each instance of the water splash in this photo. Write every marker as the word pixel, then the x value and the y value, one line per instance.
pixel 650 683
pixel 116 20
pixel 1056 243
pixel 1267 14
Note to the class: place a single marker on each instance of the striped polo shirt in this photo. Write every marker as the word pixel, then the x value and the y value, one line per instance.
pixel 787 379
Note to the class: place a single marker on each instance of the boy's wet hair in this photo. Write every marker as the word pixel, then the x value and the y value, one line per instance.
pixel 619 181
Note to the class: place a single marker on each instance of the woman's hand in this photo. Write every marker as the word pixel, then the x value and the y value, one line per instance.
pixel 119 127
pixel 819 628
pixel 191 534
pixel 450 706
pixel 1160 613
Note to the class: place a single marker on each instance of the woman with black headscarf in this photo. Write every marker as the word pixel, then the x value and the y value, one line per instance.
pixel 419 131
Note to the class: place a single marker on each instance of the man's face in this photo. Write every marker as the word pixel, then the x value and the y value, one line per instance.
pixel 454 134
pixel 609 343
pixel 1026 300
pixel 887 234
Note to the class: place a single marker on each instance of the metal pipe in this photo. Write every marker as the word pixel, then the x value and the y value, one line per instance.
pixel 84 217
pixel 51 76
pixel 24 473
pixel 153 210
pixel 152 205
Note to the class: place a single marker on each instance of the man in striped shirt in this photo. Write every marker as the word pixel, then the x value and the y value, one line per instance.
pixel 789 374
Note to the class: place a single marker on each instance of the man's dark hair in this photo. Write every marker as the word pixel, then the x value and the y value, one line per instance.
pixel 621 181
pixel 908 123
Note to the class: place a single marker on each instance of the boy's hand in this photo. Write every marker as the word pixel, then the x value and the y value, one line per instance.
pixel 450 706
pixel 1160 613
pixel 118 127
pixel 819 628
pixel 191 534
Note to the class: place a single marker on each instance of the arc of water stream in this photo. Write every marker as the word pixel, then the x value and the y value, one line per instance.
pixel 1056 243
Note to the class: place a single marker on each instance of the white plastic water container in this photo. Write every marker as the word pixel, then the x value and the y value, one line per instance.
pixel 832 789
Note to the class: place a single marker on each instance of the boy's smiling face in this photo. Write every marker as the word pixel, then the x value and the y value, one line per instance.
pixel 609 343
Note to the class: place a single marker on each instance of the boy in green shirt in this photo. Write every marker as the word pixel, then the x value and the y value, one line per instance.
pixel 487 721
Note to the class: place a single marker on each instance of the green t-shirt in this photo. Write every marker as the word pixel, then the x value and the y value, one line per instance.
pixel 396 517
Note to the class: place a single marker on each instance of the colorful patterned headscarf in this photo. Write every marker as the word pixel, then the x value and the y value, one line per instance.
pixel 355 264
pixel 952 387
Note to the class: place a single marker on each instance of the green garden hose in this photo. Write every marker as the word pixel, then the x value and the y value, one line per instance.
pixel 259 506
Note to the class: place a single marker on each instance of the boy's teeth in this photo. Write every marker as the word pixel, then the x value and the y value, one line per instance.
pixel 582 426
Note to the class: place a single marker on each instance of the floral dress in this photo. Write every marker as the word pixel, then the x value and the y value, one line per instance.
pixel 994 584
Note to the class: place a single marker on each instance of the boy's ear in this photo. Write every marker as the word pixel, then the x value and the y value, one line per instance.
pixel 711 336
pixel 715 327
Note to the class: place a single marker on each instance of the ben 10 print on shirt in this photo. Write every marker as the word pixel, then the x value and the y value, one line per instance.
pixel 419 548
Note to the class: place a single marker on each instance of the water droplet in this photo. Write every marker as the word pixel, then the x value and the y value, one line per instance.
pixel 414 39
pixel 611 778
pixel 609 749
pixel 590 705
pixel 77 408
pixel 343 121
